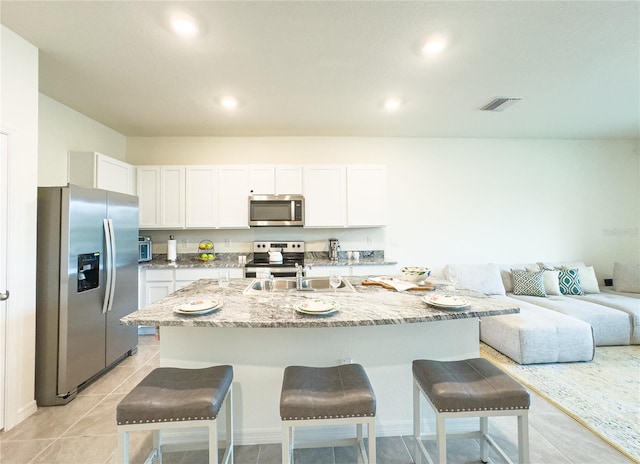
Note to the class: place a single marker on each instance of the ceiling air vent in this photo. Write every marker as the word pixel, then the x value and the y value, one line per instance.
pixel 500 103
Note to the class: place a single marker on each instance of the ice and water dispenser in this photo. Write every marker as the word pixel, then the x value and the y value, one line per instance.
pixel 88 271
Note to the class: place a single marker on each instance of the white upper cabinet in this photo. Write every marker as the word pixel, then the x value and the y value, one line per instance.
pixel 161 190
pixel 149 196
pixel 234 197
pixel 325 191
pixel 217 196
pixel 91 169
pixel 262 180
pixel 279 180
pixel 288 180
pixel 366 195
pixel 202 197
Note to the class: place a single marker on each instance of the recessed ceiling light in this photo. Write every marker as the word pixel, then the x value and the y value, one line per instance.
pixel 229 102
pixel 184 25
pixel 433 46
pixel 392 104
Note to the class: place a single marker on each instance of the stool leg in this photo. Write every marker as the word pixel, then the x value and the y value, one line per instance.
pixel 359 444
pixel 229 427
pixel 484 447
pixel 287 442
pixel 416 423
pixel 157 444
pixel 441 432
pixel 123 447
pixel 371 430
pixel 213 442
pixel 523 438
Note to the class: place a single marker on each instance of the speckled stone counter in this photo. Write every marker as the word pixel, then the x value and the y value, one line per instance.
pixel 260 335
pixel 192 261
pixel 368 305
pixel 231 260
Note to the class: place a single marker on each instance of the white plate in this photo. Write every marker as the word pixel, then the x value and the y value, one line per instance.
pixel 197 313
pixel 445 301
pixel 317 313
pixel 198 305
pixel 316 306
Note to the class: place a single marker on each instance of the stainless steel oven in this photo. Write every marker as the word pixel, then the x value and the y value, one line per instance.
pixel 276 211
pixel 284 257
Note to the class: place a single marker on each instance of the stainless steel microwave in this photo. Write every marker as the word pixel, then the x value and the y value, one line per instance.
pixel 276 211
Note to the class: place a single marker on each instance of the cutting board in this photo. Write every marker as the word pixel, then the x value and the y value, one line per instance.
pixel 426 286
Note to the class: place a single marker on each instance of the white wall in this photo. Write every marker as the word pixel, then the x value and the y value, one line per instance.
pixel 63 129
pixel 19 119
pixel 455 200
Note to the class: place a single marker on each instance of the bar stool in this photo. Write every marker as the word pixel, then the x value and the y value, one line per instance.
pixel 323 396
pixel 468 388
pixel 174 398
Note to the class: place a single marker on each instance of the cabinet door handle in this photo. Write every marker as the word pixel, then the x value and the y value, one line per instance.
pixel 4 296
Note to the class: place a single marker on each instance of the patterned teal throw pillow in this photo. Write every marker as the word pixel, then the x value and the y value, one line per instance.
pixel 528 283
pixel 570 282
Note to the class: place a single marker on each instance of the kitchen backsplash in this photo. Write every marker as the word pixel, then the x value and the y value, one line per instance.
pixel 241 241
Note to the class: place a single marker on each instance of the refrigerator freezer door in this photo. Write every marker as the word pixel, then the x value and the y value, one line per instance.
pixel 82 324
pixel 122 210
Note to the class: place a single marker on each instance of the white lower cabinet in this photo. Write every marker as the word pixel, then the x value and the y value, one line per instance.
pixel 158 283
pixel 352 270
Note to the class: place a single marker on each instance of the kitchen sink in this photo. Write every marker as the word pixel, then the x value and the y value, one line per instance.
pixel 311 284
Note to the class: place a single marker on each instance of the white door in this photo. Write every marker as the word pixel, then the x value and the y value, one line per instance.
pixel 4 293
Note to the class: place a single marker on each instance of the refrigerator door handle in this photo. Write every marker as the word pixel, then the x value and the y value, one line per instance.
pixel 112 284
pixel 108 263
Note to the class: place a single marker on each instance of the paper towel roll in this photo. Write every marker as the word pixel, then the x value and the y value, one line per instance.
pixel 172 249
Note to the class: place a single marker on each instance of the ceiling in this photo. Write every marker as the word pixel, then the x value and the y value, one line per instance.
pixel 323 68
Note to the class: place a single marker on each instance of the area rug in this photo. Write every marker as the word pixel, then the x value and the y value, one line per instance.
pixel 603 395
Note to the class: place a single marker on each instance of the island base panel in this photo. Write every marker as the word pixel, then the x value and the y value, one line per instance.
pixel 259 356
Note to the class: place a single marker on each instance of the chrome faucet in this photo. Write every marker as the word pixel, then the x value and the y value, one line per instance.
pixel 300 274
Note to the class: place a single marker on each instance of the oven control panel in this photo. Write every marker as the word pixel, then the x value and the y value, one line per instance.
pixel 285 247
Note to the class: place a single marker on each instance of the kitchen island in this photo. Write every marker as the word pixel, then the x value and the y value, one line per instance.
pixel 260 333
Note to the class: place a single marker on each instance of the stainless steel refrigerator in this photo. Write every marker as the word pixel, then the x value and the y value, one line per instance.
pixel 87 279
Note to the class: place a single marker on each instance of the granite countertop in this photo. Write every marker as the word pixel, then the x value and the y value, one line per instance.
pixel 189 260
pixel 160 261
pixel 367 306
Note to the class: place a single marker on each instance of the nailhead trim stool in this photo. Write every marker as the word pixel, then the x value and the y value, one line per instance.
pixel 174 398
pixel 319 396
pixel 468 388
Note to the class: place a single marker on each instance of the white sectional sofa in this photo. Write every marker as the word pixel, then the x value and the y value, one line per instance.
pixel 555 326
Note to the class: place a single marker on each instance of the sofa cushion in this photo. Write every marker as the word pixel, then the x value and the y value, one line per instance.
pixel 528 283
pixel 627 304
pixel 570 282
pixel 588 280
pixel 483 278
pixel 610 326
pixel 538 335
pixel 626 277
pixel 557 265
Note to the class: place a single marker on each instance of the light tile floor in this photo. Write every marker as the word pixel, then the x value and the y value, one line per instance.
pixel 84 432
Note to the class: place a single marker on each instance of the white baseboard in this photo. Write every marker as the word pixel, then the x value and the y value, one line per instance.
pixel 21 414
